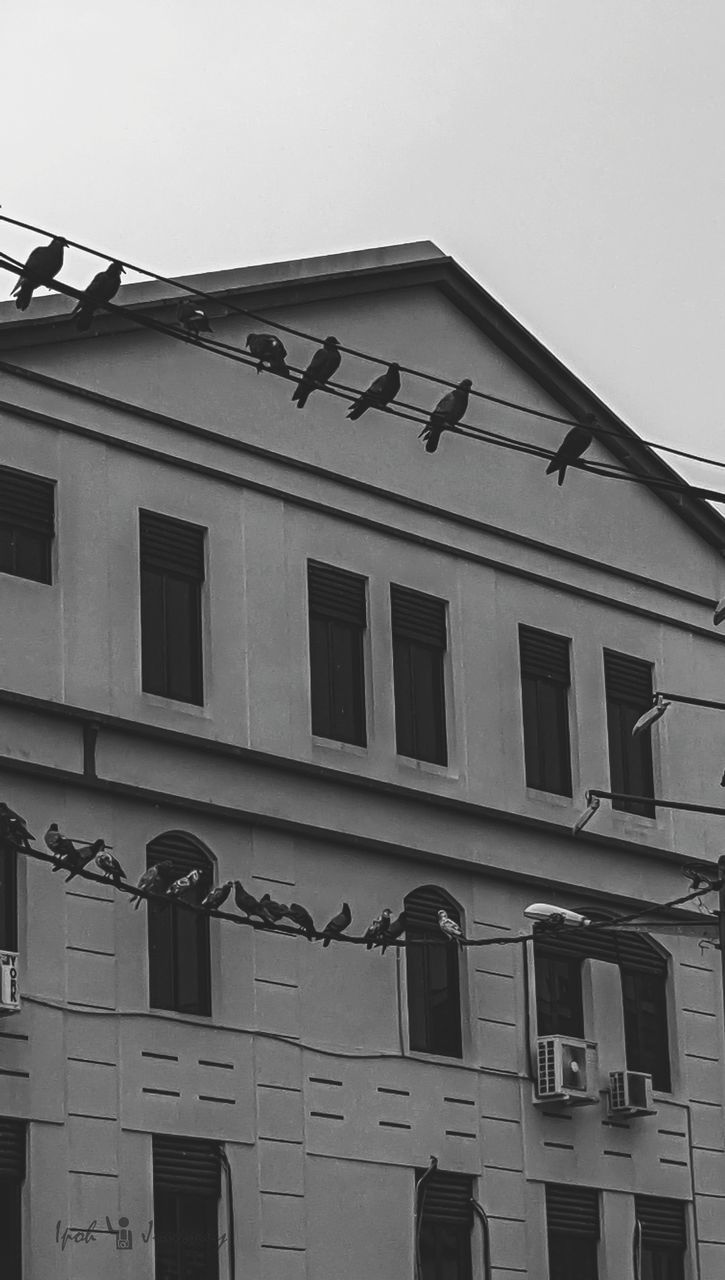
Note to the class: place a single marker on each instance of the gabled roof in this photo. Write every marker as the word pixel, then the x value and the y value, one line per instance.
pixel 395 266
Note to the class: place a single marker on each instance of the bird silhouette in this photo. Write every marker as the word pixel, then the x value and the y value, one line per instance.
pixel 110 867
pixel 323 364
pixel 42 266
pixel 192 317
pixel 378 394
pixel 217 896
pixel 302 917
pixel 60 846
pixel 393 931
pixel 155 879
pixel 81 857
pixel 102 288
pixel 245 901
pixel 272 912
pixel 375 931
pixel 575 443
pixel 337 925
pixel 450 928
pixel 449 411
pixel 268 349
pixel 13 828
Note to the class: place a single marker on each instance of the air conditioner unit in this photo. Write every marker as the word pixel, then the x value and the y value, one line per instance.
pixel 630 1094
pixel 9 990
pixel 566 1071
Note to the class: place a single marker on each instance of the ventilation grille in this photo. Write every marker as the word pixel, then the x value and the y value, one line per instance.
pixel 187 1164
pixel 627 679
pixel 631 951
pixel 12 1149
pixel 418 617
pixel 544 656
pixel 171 546
pixel 27 501
pixel 446 1197
pixel 662 1222
pixel 177 848
pixel 336 593
pixel 572 1211
pixel 422 907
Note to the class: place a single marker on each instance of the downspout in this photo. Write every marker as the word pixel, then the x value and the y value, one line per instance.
pixel 224 1160
pixel 479 1210
pixel 419 1201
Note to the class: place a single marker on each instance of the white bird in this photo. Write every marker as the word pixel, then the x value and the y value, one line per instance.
pixel 185 882
pixel 453 931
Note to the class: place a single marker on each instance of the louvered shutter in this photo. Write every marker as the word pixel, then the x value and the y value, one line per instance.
pixel 627 679
pixel 422 907
pixel 418 617
pixel 572 1211
pixel 630 951
pixel 184 854
pixel 12 1149
pixel 190 1165
pixel 446 1197
pixel 336 593
pixel 171 546
pixel 27 502
pixel 662 1222
pixel 543 655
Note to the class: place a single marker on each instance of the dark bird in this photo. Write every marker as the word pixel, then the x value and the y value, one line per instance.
pixel 267 349
pixel 245 901
pixel 447 413
pixel 42 266
pixel 379 393
pixel 453 931
pixel 272 911
pixel 13 828
pixel 155 879
pixel 192 317
pixel 60 846
pixel 394 930
pixel 323 364
pixel 81 857
pixel 185 883
pixel 102 288
pixel 110 867
pixel 302 917
pixel 217 896
pixel 575 443
pixel 337 925
pixel 375 931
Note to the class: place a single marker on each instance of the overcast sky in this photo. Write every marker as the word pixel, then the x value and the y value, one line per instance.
pixel 569 154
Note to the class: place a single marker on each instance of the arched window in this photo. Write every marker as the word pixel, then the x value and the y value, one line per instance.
pixel 179 962
pixel 434 1001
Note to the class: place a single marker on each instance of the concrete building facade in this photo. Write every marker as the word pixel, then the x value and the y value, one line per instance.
pixel 304 1071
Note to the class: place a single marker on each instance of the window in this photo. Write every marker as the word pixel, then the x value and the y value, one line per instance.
pixel 572 1228
pixel 27 525
pixel 628 685
pixel 338 619
pixel 8 898
pixel 444 1220
pixel 559 1007
pixel 434 1002
pixel 419 643
pixel 545 681
pixel 172 573
pixel 644 996
pixel 12 1176
pixel 179 960
pixel 662 1238
pixel 187 1188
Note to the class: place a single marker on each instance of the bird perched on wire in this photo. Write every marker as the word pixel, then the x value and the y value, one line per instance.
pixel 575 443
pixel 102 288
pixel 60 846
pixel 323 364
pixel 272 912
pixel 192 317
pixel 80 858
pixel 184 883
pixel 375 932
pixel 267 349
pixel 110 867
pixel 155 879
pixel 13 828
pixel 245 901
pixel 453 931
pixel 394 930
pixel 42 266
pixel 337 925
pixel 302 917
pixel 217 896
pixel 447 413
pixel 379 394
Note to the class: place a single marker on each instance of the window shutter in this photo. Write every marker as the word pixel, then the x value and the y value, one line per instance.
pixel 572 1210
pixel 446 1197
pixel 627 679
pixel 171 546
pixel 422 907
pixel 191 1165
pixel 12 1149
pixel 178 849
pixel 27 501
pixel 418 617
pixel 662 1222
pixel 632 951
pixel 336 593
pixel 543 655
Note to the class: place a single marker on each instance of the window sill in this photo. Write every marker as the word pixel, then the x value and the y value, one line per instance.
pixel 438 1058
pixel 427 766
pixel 333 744
pixel 174 704
pixel 549 797
pixel 175 1015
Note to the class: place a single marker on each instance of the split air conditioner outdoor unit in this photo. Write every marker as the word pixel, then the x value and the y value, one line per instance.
pixel 566 1071
pixel 9 990
pixel 630 1094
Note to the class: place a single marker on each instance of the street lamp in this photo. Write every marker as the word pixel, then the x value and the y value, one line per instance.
pixel 650 717
pixel 593 803
pixel 554 915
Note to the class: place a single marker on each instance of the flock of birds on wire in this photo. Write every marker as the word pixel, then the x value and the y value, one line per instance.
pixel 44 263
pixel 163 881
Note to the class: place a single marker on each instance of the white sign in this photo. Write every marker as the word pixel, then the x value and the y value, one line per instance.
pixel 9 989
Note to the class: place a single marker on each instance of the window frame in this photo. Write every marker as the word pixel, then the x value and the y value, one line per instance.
pixel 331 624
pixel 159 580
pixel 26 522
pixel 13 1176
pixel 626 755
pixel 450 1223
pixel 415 648
pixel 435 1032
pixel 573 1217
pixel 542 676
pixel 182 1190
pixel 171 930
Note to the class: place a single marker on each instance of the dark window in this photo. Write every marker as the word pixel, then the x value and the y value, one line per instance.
pixel 419 643
pixel 27 525
pixel 338 618
pixel 179 961
pixel 572 1227
pixel 12 1176
pixel 628 685
pixel 663 1238
pixel 559 1009
pixel 8 899
pixel 434 1002
pixel 444 1220
pixel 545 681
pixel 644 996
pixel 187 1187
pixel 172 573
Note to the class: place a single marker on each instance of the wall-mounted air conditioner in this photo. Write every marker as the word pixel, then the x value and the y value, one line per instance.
pixel 566 1071
pixel 630 1094
pixel 9 990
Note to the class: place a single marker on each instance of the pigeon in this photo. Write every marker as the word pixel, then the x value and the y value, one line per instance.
pixel 79 859
pixel 155 879
pixel 266 348
pixel 575 443
pixel 217 896
pixel 323 364
pixel 185 882
pixel 374 932
pixel 379 393
pixel 60 846
pixel 447 413
pixel 42 266
pixel 110 867
pixel 102 288
pixel 13 828
pixel 302 917
pixel 394 930
pixel 192 317
pixel 453 931
pixel 337 925
pixel 245 901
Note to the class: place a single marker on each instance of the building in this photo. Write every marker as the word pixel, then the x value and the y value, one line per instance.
pixel 297 579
